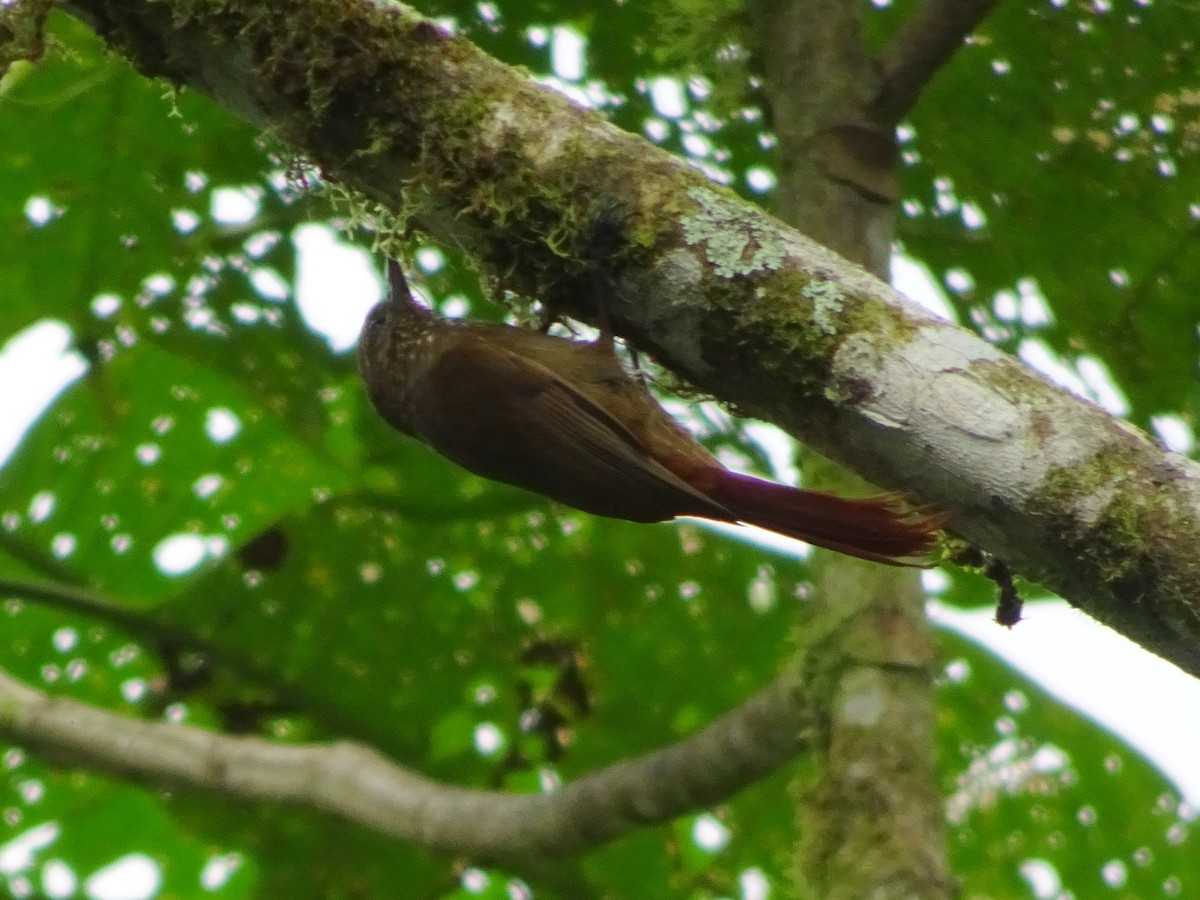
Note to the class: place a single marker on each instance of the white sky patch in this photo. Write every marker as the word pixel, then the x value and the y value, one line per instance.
pixel 59 880
pixel 1100 383
pixel 132 877
pixel 589 95
pixel 235 206
pixel 268 284
pixel 667 97
pixel 914 280
pixel 430 260
pixel 1088 377
pixel 134 689
pixel 65 639
pixel 207 485
pixel 567 53
pixel 759 537
pixel 475 880
pixel 710 833
pixel 488 12
pixel 1174 432
pixel 104 305
pixel 656 130
pixel 159 284
pixel 973 217
pixel 218 870
pixel 488 738
pixel 696 146
pixel 1035 354
pixel 959 281
pixel 184 220
pixel 337 284
pixel 148 454
pixel 195 181
pixel 1112 680
pixel 760 180
pixel 1005 306
pixel 41 506
pixel 456 306
pixel 63 545
pixel 779 448
pixel 222 425
pixel 754 885
pixel 39 210
pixel 1035 309
pixel 934 581
pixel 41 360
pixel 18 854
pixel 179 554
pixel 259 245
pixel 1042 878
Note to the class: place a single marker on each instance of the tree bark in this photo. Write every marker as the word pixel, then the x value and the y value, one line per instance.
pixel 869 811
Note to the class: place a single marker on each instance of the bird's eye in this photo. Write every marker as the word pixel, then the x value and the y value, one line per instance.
pixel 375 321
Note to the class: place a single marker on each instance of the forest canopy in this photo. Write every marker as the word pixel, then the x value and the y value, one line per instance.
pixel 210 530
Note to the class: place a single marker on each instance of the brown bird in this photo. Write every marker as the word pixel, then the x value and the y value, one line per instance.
pixel 563 418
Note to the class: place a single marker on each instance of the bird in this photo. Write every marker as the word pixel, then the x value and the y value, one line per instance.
pixel 564 418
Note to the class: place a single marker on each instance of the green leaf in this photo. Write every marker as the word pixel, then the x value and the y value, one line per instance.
pixel 1085 174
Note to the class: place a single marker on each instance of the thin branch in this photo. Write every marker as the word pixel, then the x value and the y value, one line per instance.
pixel 359 784
pixel 919 50
pixel 76 600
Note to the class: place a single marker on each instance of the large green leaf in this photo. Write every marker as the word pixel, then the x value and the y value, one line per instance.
pixel 115 157
pixel 1071 128
pixel 1028 780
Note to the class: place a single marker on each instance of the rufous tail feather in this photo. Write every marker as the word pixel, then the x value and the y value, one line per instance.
pixel 877 528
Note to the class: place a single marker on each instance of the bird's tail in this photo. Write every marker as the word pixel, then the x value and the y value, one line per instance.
pixel 877 528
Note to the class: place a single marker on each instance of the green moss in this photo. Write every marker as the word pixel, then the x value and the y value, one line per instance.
pixel 1114 544
pixel 828 303
pixel 1063 485
pixel 539 226
pixel 780 327
pixel 537 220
pixel 733 240
pixel 800 318
pixel 22 32
pixel 1008 377
pixel 527 218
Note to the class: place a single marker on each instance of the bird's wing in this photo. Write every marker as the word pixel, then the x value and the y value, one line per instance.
pixel 530 427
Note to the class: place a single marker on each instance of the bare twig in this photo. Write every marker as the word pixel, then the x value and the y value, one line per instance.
pixel 71 599
pixel 919 49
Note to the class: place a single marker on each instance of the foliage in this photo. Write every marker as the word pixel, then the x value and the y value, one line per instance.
pixel 346 583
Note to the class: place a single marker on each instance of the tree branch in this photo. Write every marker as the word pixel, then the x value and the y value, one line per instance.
pixel 919 50
pixel 75 600
pixel 745 308
pixel 357 783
